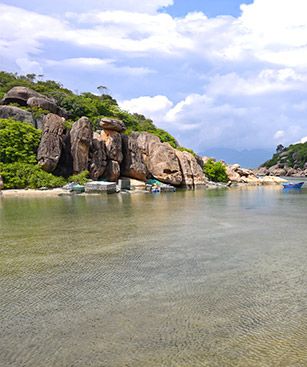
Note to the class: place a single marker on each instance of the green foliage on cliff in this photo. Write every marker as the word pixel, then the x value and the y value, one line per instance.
pixel 85 104
pixel 215 171
pixel 23 175
pixel 18 141
pixel 293 156
pixel 81 178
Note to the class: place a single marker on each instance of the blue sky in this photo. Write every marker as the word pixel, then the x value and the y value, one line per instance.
pixel 216 74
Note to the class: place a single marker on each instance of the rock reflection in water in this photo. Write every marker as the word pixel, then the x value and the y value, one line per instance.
pixel 205 278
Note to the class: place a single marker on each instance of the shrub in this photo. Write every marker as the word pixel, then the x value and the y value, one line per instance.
pixel 215 171
pixel 23 175
pixel 18 141
pixel 80 178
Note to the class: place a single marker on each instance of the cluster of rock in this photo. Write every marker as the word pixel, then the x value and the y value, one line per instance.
pixel 27 97
pixel 282 169
pixel 109 154
pixel 106 153
pixel 236 174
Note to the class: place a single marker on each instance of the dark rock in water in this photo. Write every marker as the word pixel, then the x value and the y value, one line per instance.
pixel 81 139
pixel 133 164
pixel 50 148
pixel 112 124
pixel 113 144
pixel 21 95
pixel 17 114
pixel 112 172
pixel 98 158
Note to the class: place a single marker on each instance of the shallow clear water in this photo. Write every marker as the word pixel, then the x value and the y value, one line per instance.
pixel 205 278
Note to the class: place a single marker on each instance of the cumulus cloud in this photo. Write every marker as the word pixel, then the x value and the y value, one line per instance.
pixel 223 81
pixel 155 107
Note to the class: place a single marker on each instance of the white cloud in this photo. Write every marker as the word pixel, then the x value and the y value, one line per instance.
pixel 92 63
pixel 154 107
pixel 229 81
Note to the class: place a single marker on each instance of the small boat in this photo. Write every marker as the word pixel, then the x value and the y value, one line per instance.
pixel 293 185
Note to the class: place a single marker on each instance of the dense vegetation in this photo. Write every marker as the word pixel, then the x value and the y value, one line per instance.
pixel 85 104
pixel 18 142
pixel 215 171
pixel 293 156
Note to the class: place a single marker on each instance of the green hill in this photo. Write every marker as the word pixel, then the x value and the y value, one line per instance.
pixel 294 156
pixel 85 104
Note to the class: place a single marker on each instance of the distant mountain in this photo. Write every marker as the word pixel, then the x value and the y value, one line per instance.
pixel 246 158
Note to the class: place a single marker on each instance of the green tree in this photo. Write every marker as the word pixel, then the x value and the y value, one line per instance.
pixel 215 171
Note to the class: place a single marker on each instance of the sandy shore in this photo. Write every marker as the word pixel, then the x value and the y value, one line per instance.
pixel 31 192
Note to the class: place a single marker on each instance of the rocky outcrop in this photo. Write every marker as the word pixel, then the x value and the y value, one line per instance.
pixel 81 136
pixel 133 164
pixel 112 171
pixel 98 158
pixel 237 174
pixel 28 97
pixel 20 95
pixel 46 104
pixel 113 143
pixel 50 148
pixel 192 173
pixel 163 163
pixel 112 124
pixel 16 113
pixel 148 157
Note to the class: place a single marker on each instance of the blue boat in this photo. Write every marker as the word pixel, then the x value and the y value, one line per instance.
pixel 293 185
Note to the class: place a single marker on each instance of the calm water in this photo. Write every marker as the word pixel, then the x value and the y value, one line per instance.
pixel 205 278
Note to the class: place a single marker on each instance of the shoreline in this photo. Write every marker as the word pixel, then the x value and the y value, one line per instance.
pixel 57 192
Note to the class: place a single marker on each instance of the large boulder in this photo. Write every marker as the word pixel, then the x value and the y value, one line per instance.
pixel 133 164
pixel 47 104
pixel 17 114
pixel 50 148
pixel 163 163
pixel 21 95
pixel 65 165
pixel 145 156
pixel 81 139
pixel 187 175
pixel 113 143
pixel 112 172
pixel 192 173
pixel 112 124
pixel 98 158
